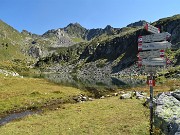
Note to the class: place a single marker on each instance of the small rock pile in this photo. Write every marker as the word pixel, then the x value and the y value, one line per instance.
pixel 136 94
pixel 9 73
pixel 82 98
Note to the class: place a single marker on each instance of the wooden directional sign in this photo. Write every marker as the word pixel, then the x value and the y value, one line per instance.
pixel 151 54
pixel 153 45
pixel 165 36
pixel 151 28
pixel 152 62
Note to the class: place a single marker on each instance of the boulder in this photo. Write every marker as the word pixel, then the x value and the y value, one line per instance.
pixel 102 97
pixel 126 96
pixel 84 98
pixel 176 94
pixel 115 94
pixel 80 98
pixel 167 113
pixel 121 92
pixel 91 99
pixel 139 95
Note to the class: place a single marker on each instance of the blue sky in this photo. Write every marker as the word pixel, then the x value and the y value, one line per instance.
pixel 38 16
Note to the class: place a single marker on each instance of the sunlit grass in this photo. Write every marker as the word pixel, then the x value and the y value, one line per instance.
pixel 22 93
pixel 110 116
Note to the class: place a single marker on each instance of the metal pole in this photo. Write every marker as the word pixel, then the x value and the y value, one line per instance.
pixel 151 104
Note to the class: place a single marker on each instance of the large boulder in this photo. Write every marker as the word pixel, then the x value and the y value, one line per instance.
pixel 167 113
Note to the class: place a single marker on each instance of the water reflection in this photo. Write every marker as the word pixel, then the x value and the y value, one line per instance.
pixel 94 80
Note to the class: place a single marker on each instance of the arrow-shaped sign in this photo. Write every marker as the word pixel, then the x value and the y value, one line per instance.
pixel 165 36
pixel 151 28
pixel 151 54
pixel 153 45
pixel 152 62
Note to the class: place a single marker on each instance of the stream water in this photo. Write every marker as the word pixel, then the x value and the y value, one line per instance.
pixel 16 116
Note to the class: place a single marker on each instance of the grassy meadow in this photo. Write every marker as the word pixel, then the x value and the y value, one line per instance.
pixel 110 116
pixel 18 94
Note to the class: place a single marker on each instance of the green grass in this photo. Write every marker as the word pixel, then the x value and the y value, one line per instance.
pixel 75 39
pixel 23 93
pixel 10 52
pixel 12 48
pixel 110 116
pixel 10 42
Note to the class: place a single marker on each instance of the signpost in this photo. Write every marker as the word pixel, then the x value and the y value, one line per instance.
pixel 151 28
pixel 153 45
pixel 151 103
pixel 153 62
pixel 165 36
pixel 162 53
pixel 151 81
pixel 152 56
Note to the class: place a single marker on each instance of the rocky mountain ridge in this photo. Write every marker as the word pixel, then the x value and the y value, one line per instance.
pixel 75 30
pixel 70 45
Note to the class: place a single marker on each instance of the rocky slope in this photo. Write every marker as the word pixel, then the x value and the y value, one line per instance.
pixel 111 48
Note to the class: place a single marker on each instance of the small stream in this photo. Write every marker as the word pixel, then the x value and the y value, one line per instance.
pixel 16 116
pixel 106 81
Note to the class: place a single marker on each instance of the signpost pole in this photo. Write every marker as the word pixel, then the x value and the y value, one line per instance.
pixel 151 103
pixel 152 55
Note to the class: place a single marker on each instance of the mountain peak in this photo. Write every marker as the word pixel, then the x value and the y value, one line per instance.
pixel 74 25
pixel 75 30
pixel 138 23
pixel 108 27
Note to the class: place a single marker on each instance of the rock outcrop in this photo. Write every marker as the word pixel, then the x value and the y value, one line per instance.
pixel 139 23
pixel 167 112
pixel 35 51
pixel 134 94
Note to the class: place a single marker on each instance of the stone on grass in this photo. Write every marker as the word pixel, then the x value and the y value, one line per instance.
pixel 167 113
pixel 126 96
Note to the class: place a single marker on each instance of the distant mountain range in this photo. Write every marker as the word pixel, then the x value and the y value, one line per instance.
pixel 111 49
